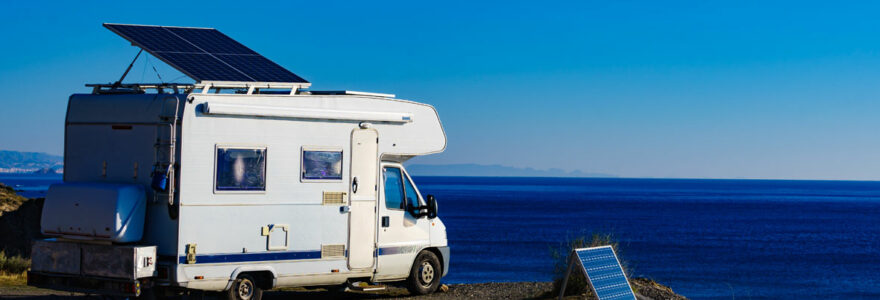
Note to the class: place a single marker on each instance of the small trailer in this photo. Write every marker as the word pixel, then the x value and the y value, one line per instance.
pixel 241 182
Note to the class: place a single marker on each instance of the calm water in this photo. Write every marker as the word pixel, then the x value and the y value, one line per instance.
pixel 30 185
pixel 704 238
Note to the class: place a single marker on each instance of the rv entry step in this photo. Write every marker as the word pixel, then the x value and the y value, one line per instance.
pixel 365 286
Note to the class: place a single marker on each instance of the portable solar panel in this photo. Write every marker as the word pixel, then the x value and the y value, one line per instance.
pixel 204 54
pixel 603 271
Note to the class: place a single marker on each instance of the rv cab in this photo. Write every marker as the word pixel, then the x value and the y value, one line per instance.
pixel 242 182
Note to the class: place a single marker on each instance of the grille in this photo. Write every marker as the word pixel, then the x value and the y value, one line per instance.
pixel 333 198
pixel 328 251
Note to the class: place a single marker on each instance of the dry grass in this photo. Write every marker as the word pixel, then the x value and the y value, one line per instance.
pixel 13 279
pixel 13 264
pixel 577 283
pixel 9 200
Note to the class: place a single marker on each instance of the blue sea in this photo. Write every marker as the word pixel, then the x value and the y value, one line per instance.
pixel 707 239
pixel 30 185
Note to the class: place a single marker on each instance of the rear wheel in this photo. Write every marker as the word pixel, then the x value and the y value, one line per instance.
pixel 244 288
pixel 424 277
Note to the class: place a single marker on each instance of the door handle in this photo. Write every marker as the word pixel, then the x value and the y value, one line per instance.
pixel 386 221
pixel 354 185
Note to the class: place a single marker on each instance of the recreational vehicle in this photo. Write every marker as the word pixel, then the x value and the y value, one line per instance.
pixel 241 182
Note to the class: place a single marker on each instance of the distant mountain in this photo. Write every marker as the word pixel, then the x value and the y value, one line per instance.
pixel 30 162
pixel 493 171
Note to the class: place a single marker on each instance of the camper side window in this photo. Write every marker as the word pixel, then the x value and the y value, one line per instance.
pixel 321 165
pixel 393 188
pixel 241 169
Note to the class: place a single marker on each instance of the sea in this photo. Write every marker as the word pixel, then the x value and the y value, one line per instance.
pixel 706 239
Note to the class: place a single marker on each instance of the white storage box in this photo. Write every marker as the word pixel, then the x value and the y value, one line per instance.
pixel 95 211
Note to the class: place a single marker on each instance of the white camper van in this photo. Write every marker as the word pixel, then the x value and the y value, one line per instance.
pixel 241 182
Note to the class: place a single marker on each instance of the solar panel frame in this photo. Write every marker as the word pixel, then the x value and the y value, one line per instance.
pixel 604 272
pixel 204 54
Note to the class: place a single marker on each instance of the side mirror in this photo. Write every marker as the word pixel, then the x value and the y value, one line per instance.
pixel 432 206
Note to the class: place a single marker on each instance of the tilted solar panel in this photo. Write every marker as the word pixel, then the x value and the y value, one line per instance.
pixel 604 273
pixel 204 54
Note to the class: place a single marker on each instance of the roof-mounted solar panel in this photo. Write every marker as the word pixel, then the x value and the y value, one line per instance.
pixel 204 54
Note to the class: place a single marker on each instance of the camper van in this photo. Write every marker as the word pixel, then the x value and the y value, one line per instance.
pixel 241 182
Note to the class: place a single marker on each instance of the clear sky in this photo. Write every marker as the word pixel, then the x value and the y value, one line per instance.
pixel 702 89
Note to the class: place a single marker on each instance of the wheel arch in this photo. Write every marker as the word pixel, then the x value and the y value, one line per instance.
pixel 439 255
pixel 265 276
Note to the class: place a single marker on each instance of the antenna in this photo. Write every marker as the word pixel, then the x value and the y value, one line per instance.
pixel 118 82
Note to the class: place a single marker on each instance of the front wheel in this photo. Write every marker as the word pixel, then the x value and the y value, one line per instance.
pixel 244 288
pixel 424 277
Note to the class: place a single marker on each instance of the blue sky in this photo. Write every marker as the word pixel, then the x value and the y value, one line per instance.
pixel 701 89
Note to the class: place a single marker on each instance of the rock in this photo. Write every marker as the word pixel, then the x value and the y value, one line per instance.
pixel 651 290
pixel 19 228
pixel 9 199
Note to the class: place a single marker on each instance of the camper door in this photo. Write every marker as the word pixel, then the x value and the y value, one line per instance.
pixel 362 217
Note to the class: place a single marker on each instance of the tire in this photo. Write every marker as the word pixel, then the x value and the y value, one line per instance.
pixel 424 277
pixel 244 288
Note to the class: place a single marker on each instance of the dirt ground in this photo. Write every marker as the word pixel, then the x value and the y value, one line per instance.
pixel 506 290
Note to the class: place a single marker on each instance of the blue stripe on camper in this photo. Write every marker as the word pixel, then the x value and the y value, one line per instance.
pixel 398 250
pixel 262 256
pixel 287 255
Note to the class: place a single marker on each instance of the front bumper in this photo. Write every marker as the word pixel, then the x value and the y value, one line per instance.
pixel 444 252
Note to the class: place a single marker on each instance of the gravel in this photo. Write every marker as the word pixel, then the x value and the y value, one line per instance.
pixel 646 290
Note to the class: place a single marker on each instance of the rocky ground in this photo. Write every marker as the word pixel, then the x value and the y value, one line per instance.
pixel 9 200
pixel 647 289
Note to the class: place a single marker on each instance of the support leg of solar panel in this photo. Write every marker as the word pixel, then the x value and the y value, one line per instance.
pixel 572 260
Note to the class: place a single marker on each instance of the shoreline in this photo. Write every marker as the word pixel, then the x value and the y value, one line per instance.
pixel 645 290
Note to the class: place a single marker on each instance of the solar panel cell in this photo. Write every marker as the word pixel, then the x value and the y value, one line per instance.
pixel 211 41
pixel 260 68
pixel 203 65
pixel 604 272
pixel 153 38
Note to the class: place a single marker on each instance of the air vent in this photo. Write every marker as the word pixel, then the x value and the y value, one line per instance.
pixel 334 198
pixel 332 251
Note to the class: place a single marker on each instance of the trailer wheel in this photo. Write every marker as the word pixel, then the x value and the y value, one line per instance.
pixel 424 277
pixel 244 288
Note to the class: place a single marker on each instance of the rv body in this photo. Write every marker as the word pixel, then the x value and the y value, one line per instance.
pixel 196 190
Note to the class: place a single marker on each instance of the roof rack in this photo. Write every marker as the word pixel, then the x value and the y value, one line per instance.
pixel 250 87
pixel 140 88
pixel 203 87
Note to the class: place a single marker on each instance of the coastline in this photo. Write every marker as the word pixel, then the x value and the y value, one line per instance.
pixel 646 290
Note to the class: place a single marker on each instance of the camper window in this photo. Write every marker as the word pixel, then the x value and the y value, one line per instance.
pixel 393 188
pixel 241 169
pixel 321 165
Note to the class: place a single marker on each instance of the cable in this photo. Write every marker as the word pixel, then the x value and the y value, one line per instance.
pixel 144 70
pixel 157 73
